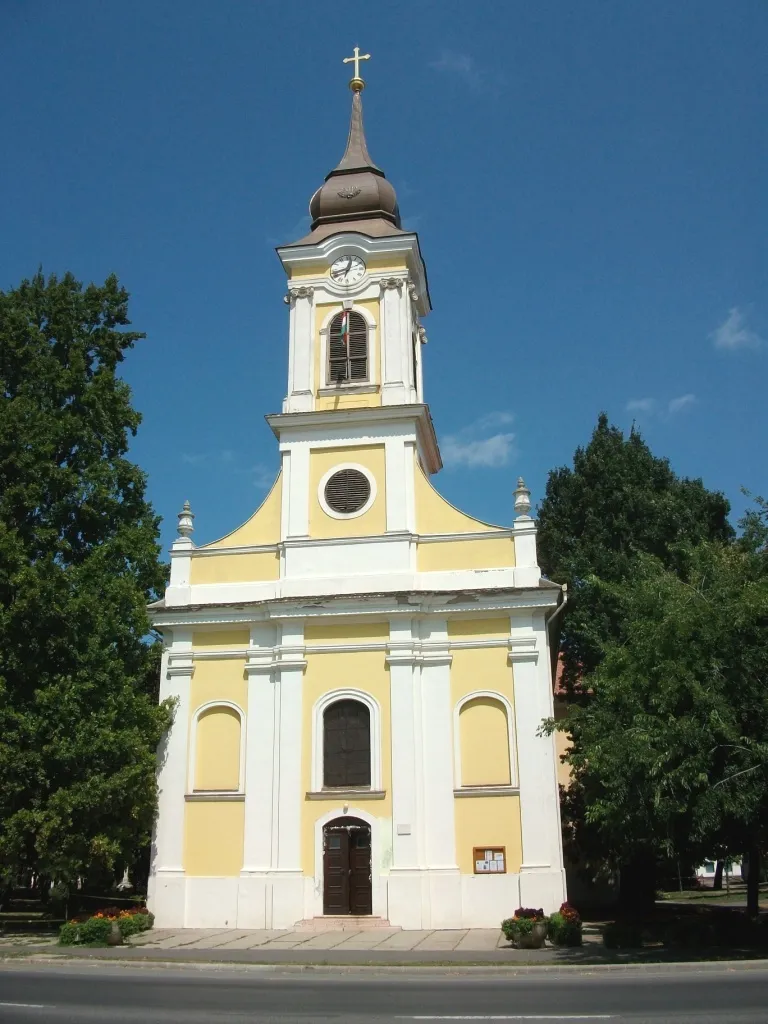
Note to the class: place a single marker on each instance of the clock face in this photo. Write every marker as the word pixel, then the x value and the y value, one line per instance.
pixel 347 269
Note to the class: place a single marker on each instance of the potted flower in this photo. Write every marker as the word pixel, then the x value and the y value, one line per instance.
pixel 565 926
pixel 527 929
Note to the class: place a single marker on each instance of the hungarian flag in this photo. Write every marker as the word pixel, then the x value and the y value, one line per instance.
pixel 345 329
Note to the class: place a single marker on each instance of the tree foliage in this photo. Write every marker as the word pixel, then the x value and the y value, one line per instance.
pixel 670 753
pixel 79 560
pixel 618 501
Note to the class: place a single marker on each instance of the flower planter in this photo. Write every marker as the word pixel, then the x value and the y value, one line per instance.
pixel 535 938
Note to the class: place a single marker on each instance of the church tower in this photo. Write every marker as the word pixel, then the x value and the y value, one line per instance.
pixel 360 669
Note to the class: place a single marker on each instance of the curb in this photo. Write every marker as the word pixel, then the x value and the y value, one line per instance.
pixel 398 968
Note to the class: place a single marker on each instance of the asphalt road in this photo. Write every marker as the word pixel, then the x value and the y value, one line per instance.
pixel 157 995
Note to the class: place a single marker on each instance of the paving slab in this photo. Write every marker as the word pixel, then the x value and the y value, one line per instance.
pixel 480 939
pixel 193 938
pixel 326 940
pixel 443 939
pixel 404 940
pixel 370 939
pixel 254 938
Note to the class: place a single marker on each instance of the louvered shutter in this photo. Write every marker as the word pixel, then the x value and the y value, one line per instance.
pixel 346 745
pixel 347 491
pixel 348 366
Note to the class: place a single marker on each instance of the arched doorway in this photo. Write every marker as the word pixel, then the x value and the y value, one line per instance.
pixel 347 885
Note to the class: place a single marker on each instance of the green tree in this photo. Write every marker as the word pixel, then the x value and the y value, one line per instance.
pixel 79 560
pixel 619 500
pixel 670 753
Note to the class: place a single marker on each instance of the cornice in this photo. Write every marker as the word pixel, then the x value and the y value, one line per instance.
pixel 287 423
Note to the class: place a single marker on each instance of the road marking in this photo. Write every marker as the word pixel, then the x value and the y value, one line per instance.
pixel 29 1006
pixel 516 1016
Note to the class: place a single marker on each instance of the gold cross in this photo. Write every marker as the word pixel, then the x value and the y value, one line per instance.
pixel 357 80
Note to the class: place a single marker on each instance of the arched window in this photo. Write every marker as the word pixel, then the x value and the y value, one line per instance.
pixel 484 742
pixel 347 348
pixel 346 745
pixel 217 764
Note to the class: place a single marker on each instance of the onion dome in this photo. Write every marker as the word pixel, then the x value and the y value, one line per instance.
pixel 355 193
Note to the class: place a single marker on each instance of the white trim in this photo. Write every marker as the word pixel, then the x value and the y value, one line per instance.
pixel 332 472
pixel 208 706
pixel 491 695
pixel 378 891
pixel 487 791
pixel 316 784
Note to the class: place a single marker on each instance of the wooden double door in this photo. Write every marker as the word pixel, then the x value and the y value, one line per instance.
pixel 347 887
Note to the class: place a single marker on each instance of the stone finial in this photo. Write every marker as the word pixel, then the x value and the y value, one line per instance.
pixel 186 518
pixel 522 498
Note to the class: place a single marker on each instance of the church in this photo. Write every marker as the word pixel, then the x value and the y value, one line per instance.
pixel 360 669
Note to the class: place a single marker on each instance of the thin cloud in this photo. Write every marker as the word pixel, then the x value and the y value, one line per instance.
pixel 468 447
pixel 463 66
pixel 652 408
pixel 644 405
pixel 678 404
pixel 733 333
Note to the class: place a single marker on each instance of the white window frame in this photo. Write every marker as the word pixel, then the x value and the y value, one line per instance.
pixel 512 745
pixel 325 332
pixel 209 706
pixel 318 738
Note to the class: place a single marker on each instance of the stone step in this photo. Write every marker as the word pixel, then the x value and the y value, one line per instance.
pixel 342 922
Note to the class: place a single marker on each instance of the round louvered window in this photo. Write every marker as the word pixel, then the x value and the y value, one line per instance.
pixel 347 491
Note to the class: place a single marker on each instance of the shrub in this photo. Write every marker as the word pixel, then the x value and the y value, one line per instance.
pixel 95 929
pixel 689 933
pixel 622 935
pixel 564 927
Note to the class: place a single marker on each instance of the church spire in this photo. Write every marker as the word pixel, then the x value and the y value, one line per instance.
pixel 356 195
pixel 356 156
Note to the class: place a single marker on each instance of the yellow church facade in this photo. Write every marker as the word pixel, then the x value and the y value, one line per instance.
pixel 360 670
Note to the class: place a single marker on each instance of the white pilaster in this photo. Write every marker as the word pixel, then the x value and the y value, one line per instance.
pixel 288 886
pixel 397 484
pixel 394 342
pixel 296 494
pixel 300 396
pixel 542 878
pixel 437 766
pixel 168 881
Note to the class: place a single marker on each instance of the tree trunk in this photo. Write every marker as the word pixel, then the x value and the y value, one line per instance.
pixel 718 882
pixel 637 884
pixel 753 882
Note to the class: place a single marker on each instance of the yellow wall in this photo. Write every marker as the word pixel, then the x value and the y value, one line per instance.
pixel 252 566
pixel 372 263
pixel 484 739
pixel 346 632
pixel 494 553
pixel 217 749
pixel 213 840
pixel 219 680
pixel 220 639
pixel 483 668
pixel 262 528
pixel 331 402
pixel 493 628
pixel 374 521
pixel 488 821
pixel 360 670
pixel 374 349
pixel 436 515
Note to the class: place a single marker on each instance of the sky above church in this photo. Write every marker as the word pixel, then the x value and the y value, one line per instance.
pixel 588 182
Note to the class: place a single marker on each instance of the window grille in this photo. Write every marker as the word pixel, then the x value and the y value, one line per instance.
pixel 346 745
pixel 348 360
pixel 347 491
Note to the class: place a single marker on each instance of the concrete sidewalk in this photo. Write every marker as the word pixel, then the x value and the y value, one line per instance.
pixel 394 940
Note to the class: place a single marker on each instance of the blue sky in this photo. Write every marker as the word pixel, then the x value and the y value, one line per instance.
pixel 588 182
